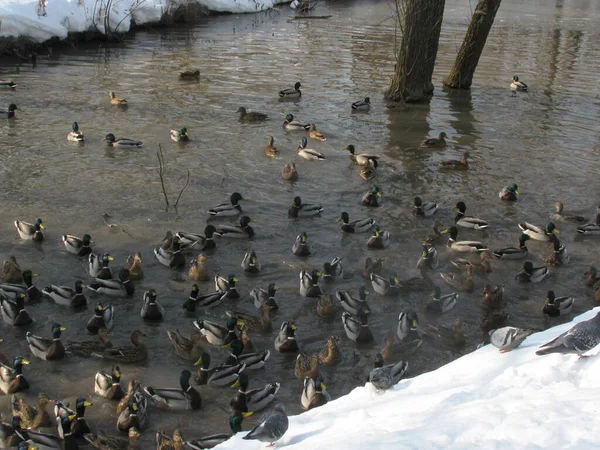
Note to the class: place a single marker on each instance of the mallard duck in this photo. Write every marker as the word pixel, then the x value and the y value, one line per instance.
pixel 252 400
pixel 77 425
pixel 232 208
pixel 461 282
pixel 207 242
pixel 11 271
pixel 372 266
pixel 493 297
pixel 30 231
pixel 244 230
pixel 10 112
pixel 197 271
pixel 164 442
pixel 9 437
pixel 591 277
pixel 558 214
pixel 66 296
pixel 313 133
pixel 356 226
pixel 357 328
pixel 8 84
pixel 112 141
pixel 47 349
pixel 134 393
pixel 415 284
pixel 506 339
pixel 463 246
pixel 251 116
pixel 314 394
pixel 215 333
pixel 332 270
pixel 250 263
pixel 37 440
pixel 437 142
pixel 379 240
pixel 436 235
pixel 386 376
pixel 252 361
pixel 134 265
pixel 429 258
pixel 116 100
pixel 75 135
pixel 309 153
pixel 272 426
pixel 368 172
pixel 189 349
pixel 517 85
pixel 190 75
pixel 483 266
pixel 560 306
pixel 289 172
pixel 33 418
pixel 108 385
pixel 87 348
pixel 31 291
pixel 309 286
pixel 407 329
pixel 262 297
pixel 185 398
pixel 389 287
pixel 423 209
pixel 325 306
pixel 225 375
pixel 371 198
pixel 362 105
pixel 531 274
pixel 355 306
pixel 260 324
pixel 11 378
pixel 591 228
pixel 456 164
pixel 103 442
pixel 301 245
pixel 513 252
pixel 331 353
pixel 151 308
pixel 98 266
pixel 290 93
pixel 299 209
pixel 306 366
pixel 270 149
pixel 227 285
pixel 180 135
pixel 134 415
pixel 286 338
pixel 468 221
pixel 559 254
pixel 102 318
pixel 235 424
pixel 127 354
pixel 116 288
pixel 509 193
pixel 172 258
pixel 441 303
pixel 77 246
pixel 292 125
pixel 538 233
pixel 362 159
pixel 14 312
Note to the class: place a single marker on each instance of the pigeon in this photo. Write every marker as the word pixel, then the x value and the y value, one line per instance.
pixel 385 377
pixel 272 427
pixel 582 337
pixel 508 338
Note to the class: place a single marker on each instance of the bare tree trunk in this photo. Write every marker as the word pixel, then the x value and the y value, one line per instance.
pixel 420 22
pixel 461 75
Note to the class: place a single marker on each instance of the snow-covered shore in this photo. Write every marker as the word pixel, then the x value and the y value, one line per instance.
pixel 486 399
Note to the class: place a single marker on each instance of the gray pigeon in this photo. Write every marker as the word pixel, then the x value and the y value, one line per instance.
pixel 508 338
pixel 385 377
pixel 272 427
pixel 582 337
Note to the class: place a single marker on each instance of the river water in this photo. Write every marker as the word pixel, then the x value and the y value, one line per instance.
pixel 546 141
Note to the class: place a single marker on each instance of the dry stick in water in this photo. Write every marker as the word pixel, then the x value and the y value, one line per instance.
pixel 160 156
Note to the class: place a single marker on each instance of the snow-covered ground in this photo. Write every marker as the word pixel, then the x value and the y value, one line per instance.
pixel 486 399
pixel 41 20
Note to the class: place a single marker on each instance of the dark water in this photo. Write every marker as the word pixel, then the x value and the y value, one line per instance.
pixel 546 141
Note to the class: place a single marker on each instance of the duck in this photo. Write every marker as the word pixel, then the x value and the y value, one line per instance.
pixel 75 135
pixel 227 285
pixel 531 274
pixel 560 306
pixel 325 306
pixel 331 353
pixel 355 306
pixel 127 354
pixel 357 328
pixel 76 419
pixel 517 85
pixel 538 233
pixel 197 271
pixel 301 245
pixel 37 440
pixel 244 230
pixel 436 235
pixel 173 257
pixel 10 435
pixel 108 385
pixel 407 329
pixel 289 172
pixel 8 84
pixel 181 135
pixel 102 318
pixel 285 341
pixel 251 361
pixel 30 231
pixel 415 284
pixel 463 246
pixel 112 141
pixel 386 376
pixel 362 105
pixel 186 398
pixel 252 400
pixel 387 287
pixel 10 112
pixel 461 282
pixel 313 133
pixel 483 266
pixel 47 349
pixel 232 208
pixel 429 258
pixel 591 277
pixel 372 197
pixel 11 378
pixel 104 442
pixel 509 193
pixel 235 424
pixel 88 348
pixel 438 142
pixel 190 75
pixel 291 93
pixel 314 393
pixel 134 265
pixel 115 288
pixel 67 296
pixel 309 286
pixel 134 415
pixel 116 100
pixel 356 226
pixel 559 254
pixel 493 297
pixel 188 240
pixel 31 417
pixel 14 312
pixel 299 209
pixel 306 366
pixel 591 228
pixel 217 334
pixel 30 290
pixel 468 221
pixel 558 214
pixel 164 442
pixel 332 270
pixel 270 149
pixel 260 324
pixel 190 348
pixel 368 172
pixel 250 116
pixel 11 271
pixel 456 164
pixel 261 297
pixel 293 125
pixel 134 394
pixel 79 246
pixel 222 376
pixel 379 240
pixel 520 252
pixel 362 159
pixel 309 153
pixel 441 303
pixel 98 266
pixel 151 308
pixel 423 209
pixel 372 266
pixel 250 263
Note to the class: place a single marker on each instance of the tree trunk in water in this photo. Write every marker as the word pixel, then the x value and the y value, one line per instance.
pixel 461 75
pixel 420 22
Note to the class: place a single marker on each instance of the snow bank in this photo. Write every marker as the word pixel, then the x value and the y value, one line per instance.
pixel 41 20
pixel 483 400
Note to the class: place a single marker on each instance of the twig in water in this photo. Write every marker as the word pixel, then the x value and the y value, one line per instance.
pixel 182 189
pixel 160 156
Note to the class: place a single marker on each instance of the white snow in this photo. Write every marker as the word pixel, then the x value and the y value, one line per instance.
pixel 41 20
pixel 486 399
